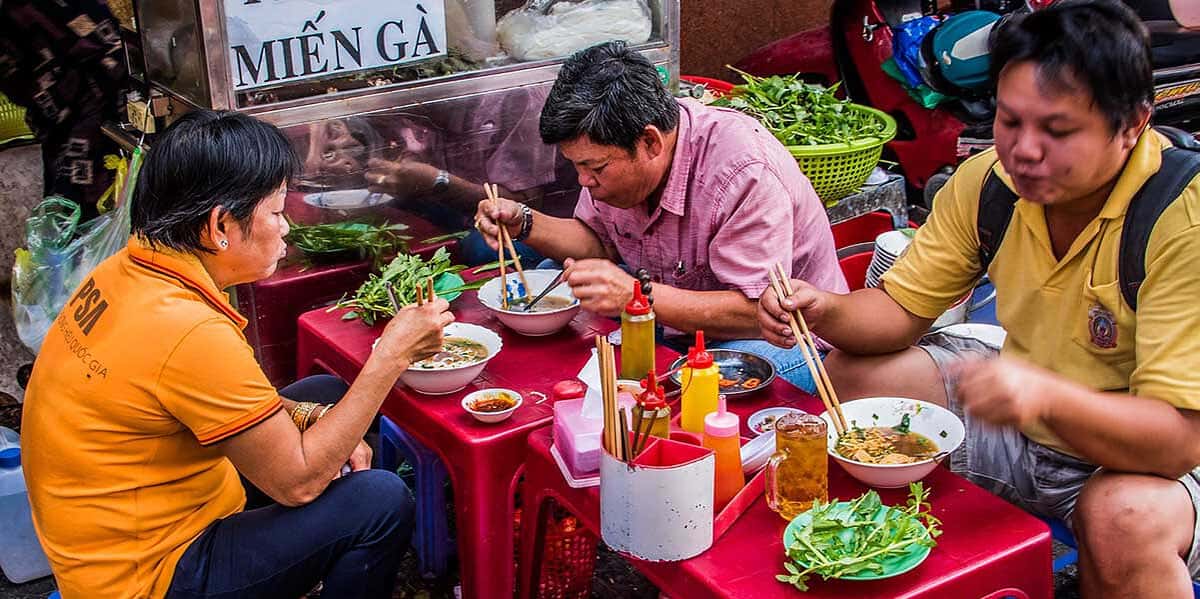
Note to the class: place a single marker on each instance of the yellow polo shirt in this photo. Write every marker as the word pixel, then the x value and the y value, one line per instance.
pixel 143 371
pixel 1068 315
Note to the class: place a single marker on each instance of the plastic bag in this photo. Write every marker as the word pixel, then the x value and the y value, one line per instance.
pixel 60 253
pixel 906 47
pixel 528 33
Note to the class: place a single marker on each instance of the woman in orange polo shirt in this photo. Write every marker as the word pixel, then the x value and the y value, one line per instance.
pixel 146 403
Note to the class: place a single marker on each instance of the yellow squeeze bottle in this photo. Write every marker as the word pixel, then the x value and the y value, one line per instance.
pixel 637 336
pixel 700 381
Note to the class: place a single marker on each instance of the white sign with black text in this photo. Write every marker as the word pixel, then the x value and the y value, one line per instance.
pixel 276 41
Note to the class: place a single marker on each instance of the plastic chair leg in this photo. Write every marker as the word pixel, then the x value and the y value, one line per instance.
pixel 431 539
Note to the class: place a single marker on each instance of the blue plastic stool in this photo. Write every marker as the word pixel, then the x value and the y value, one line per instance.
pixel 1062 534
pixel 431 538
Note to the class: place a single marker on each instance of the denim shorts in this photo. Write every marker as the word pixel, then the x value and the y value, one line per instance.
pixel 1027 474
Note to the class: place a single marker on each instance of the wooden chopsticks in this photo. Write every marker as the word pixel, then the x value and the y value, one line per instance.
pixel 808 346
pixel 614 439
pixel 425 293
pixel 505 240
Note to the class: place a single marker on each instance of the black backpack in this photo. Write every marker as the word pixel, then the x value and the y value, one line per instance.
pixel 1180 164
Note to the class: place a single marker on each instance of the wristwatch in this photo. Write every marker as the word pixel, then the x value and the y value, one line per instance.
pixel 526 223
pixel 441 182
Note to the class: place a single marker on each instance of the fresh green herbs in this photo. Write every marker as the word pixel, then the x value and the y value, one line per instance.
pixel 370 302
pixel 800 113
pixel 375 241
pixel 905 424
pixel 847 539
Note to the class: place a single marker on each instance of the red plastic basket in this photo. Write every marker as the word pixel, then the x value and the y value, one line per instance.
pixel 568 558
pixel 716 86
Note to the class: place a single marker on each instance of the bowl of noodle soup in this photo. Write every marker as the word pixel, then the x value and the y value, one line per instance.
pixel 893 441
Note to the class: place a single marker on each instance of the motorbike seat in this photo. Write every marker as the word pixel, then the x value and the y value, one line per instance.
pixel 1173 45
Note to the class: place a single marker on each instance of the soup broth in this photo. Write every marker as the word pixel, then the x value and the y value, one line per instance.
pixel 885 445
pixel 551 303
pixel 456 351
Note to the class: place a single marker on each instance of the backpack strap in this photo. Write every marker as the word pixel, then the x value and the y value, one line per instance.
pixel 1180 165
pixel 996 204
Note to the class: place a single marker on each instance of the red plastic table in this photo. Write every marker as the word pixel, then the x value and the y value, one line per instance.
pixel 987 544
pixel 483 460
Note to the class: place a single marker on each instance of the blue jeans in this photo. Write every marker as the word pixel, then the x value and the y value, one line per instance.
pixel 351 538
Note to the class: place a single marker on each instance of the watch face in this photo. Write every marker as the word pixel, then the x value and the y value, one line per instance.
pixel 442 181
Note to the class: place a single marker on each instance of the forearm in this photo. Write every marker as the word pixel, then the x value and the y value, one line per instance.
pixel 721 314
pixel 1124 433
pixel 868 322
pixel 329 440
pixel 562 238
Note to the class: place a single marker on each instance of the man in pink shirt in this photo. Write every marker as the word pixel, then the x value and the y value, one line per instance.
pixel 703 199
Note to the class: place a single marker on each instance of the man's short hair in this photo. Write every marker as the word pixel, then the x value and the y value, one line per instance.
pixel 204 160
pixel 609 93
pixel 1097 46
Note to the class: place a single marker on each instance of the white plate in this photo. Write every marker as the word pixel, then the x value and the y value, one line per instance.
pixel 757 418
pixel 346 199
pixel 892 242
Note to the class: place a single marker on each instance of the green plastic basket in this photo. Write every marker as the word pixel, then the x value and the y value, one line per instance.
pixel 837 170
pixel 12 122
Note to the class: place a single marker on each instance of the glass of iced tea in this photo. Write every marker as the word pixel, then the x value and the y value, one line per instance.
pixel 798 473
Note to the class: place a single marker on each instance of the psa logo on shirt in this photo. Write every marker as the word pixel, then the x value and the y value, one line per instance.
pixel 88 305
pixel 1102 326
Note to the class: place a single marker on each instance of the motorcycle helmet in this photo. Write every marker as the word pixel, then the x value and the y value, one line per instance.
pixel 955 57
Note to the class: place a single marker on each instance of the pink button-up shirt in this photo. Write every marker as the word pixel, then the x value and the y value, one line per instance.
pixel 735 202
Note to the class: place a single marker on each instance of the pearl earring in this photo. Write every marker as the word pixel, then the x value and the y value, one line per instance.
pixel 224 243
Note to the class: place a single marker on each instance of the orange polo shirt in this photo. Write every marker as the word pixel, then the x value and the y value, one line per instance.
pixel 142 372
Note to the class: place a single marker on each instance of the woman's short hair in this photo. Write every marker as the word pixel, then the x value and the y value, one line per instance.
pixel 1095 46
pixel 203 161
pixel 609 93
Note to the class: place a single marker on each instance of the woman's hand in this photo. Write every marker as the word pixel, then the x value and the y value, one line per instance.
pixel 773 313
pixel 360 459
pixel 490 215
pixel 415 333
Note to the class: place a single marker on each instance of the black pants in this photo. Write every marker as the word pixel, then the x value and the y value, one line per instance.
pixel 352 537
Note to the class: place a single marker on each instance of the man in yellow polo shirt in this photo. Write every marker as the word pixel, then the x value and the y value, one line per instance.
pixel 1089 412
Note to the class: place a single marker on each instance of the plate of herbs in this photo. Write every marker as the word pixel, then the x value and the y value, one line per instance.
pixel 862 539
pixel 342 241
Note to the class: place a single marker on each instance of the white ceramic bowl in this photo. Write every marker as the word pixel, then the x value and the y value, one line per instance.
pixel 531 324
pixel 490 417
pixel 935 422
pixel 448 380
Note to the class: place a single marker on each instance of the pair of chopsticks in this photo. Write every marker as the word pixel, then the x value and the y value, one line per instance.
pixel 808 346
pixel 504 240
pixel 425 294
pixel 615 441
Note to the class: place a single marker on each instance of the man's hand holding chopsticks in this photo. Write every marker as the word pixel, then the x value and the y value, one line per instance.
pixel 489 215
pixel 773 314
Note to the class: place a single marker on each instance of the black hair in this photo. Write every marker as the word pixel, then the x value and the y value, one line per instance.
pixel 609 93
pixel 1098 45
pixel 202 161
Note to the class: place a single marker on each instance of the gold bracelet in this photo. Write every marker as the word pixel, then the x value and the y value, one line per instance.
pixel 316 415
pixel 300 414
